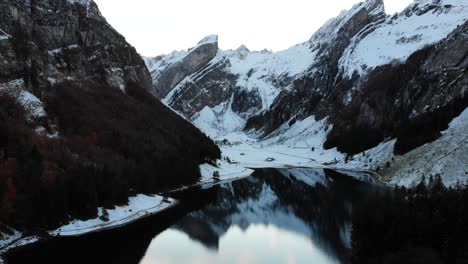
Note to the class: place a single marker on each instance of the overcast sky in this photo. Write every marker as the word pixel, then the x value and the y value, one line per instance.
pixel 157 27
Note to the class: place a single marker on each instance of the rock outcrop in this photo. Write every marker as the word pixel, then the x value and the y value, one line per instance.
pixel 173 73
pixel 58 40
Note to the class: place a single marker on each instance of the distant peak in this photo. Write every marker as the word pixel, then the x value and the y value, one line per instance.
pixel 208 39
pixel 243 48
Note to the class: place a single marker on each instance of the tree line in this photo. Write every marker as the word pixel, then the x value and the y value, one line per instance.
pixel 425 224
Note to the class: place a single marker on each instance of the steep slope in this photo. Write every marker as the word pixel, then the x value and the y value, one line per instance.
pixel 91 134
pixel 363 79
pixel 238 84
pixel 171 71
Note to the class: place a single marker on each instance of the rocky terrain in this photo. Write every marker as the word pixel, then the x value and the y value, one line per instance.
pixel 78 127
pixel 372 81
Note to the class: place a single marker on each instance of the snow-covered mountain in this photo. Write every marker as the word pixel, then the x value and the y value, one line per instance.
pixel 364 82
pixel 224 88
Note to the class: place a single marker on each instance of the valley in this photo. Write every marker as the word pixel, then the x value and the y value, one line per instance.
pixel 349 147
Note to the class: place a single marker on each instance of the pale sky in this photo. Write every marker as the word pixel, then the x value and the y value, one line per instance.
pixel 157 27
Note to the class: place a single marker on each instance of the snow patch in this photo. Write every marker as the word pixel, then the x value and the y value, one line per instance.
pixel 208 39
pixel 4 35
pixel 261 71
pixel 223 171
pixel 138 207
pixel 399 37
pixel 445 156
pixel 296 145
pixel 57 51
pixel 33 105
pixel 218 121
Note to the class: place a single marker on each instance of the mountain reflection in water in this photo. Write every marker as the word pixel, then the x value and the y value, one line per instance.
pixel 274 216
pixel 277 216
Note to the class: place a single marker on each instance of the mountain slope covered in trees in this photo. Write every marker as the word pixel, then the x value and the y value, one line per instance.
pixel 78 126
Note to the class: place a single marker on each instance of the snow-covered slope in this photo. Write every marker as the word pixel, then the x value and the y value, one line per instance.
pixel 244 84
pixel 223 93
pixel 305 106
pixel 420 24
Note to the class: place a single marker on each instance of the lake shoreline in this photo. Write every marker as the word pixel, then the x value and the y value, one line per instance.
pixel 20 243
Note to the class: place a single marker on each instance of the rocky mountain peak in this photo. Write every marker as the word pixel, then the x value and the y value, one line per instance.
pixel 209 40
pixel 349 22
pixel 168 73
pixel 243 48
pixel 242 51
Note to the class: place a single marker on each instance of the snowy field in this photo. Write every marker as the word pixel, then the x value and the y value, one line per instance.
pixel 300 145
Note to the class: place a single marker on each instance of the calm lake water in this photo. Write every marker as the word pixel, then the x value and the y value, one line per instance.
pixel 275 216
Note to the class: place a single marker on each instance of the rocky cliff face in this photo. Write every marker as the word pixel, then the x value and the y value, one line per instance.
pixel 234 85
pixel 170 73
pixel 58 40
pixel 92 134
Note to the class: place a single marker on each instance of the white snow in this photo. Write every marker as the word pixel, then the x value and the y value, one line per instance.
pixel 4 35
pixel 260 70
pixel 307 176
pixel 298 145
pixel 60 50
pixel 32 104
pixel 225 169
pixel 398 37
pixel 388 39
pixel 445 156
pixel 218 121
pixel 208 39
pixel 138 206
pixel 7 240
pixel 371 159
pixel 330 30
pixel 158 64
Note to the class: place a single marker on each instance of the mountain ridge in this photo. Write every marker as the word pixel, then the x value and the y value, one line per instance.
pixel 363 105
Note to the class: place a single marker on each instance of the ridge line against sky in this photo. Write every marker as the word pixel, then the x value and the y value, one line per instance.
pixel 158 27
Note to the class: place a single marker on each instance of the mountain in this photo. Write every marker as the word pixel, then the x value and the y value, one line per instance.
pixel 365 84
pixel 78 126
